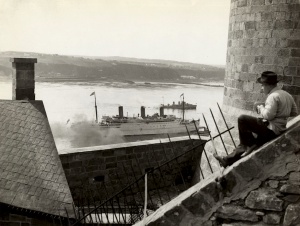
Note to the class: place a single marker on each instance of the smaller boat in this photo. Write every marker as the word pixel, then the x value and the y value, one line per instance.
pixel 180 105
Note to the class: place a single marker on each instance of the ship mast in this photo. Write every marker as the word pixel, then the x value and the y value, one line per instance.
pixel 182 106
pixel 93 93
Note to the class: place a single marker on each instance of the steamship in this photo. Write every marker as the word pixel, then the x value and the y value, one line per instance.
pixel 149 125
pixel 181 105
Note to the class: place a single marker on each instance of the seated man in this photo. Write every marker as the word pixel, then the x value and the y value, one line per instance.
pixel 278 106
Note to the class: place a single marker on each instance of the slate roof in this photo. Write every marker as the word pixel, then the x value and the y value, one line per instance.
pixel 31 174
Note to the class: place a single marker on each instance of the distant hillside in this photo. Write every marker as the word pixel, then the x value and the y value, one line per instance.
pixel 54 68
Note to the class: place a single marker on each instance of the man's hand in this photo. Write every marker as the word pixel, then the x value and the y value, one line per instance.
pixel 259 107
pixel 256 104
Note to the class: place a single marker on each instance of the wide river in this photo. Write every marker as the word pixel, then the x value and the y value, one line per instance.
pixel 71 104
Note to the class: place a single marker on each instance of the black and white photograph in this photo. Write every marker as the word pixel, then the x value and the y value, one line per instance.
pixel 149 112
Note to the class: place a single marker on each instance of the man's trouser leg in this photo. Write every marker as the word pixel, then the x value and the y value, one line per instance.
pixel 248 125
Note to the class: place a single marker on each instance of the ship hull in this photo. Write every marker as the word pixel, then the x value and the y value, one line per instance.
pixel 180 107
pixel 155 128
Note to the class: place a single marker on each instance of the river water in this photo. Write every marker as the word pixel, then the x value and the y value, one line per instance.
pixel 71 108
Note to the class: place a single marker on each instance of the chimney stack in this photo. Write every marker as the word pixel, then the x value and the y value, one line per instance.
pixel 143 112
pixel 161 111
pixel 23 78
pixel 120 111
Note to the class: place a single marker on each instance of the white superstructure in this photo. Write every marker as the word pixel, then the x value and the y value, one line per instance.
pixel 147 127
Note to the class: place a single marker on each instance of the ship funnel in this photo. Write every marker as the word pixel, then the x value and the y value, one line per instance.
pixel 120 111
pixel 142 111
pixel 161 111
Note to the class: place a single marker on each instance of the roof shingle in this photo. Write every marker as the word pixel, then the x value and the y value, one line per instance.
pixel 31 174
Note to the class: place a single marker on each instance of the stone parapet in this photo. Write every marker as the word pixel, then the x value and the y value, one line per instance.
pixel 262 188
pixel 117 165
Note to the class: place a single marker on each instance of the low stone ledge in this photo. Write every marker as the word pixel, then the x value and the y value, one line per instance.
pixel 126 145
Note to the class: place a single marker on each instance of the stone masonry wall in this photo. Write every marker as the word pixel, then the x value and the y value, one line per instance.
pixel 117 165
pixel 263 35
pixel 10 217
pixel 260 189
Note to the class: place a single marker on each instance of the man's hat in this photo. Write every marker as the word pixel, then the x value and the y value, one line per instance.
pixel 268 77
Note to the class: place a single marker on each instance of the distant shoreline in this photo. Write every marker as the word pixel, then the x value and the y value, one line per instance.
pixel 206 84
pixel 64 80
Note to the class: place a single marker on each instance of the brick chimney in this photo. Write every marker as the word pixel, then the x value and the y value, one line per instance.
pixel 23 78
pixel 143 112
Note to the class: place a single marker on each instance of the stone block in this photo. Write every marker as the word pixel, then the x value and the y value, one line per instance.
pixel 296 81
pixel 129 151
pixel 106 153
pixel 289 88
pixel 290 70
pixel 294 61
pixel 259 59
pixel 264 200
pixel 291 216
pixel 177 214
pixel 288 80
pixel 250 25
pixel 87 169
pixel 248 86
pixel 211 190
pixel 282 43
pixel 290 189
pixel 162 221
pixel 271 218
pixel 75 164
pixel 263 34
pixel 283 24
pixel 293 43
pixel 291 198
pixel 281 34
pixel 110 159
pixel 230 183
pixel 249 169
pixel 294 178
pixel 273 183
pixel 267 16
pixel 122 158
pixel 258 2
pixel 111 165
pixel 20 218
pixel 236 213
pixel 280 15
pixel 283 52
pixel 295 53
pixel 242 3
pixel 249 34
pixel 197 204
pixel 266 155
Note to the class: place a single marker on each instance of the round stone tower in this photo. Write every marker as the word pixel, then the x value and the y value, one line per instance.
pixel 263 35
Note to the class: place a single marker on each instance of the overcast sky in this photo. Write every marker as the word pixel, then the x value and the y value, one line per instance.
pixel 182 30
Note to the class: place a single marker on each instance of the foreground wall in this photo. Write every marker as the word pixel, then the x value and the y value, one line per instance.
pixel 260 189
pixel 117 165
pixel 12 216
